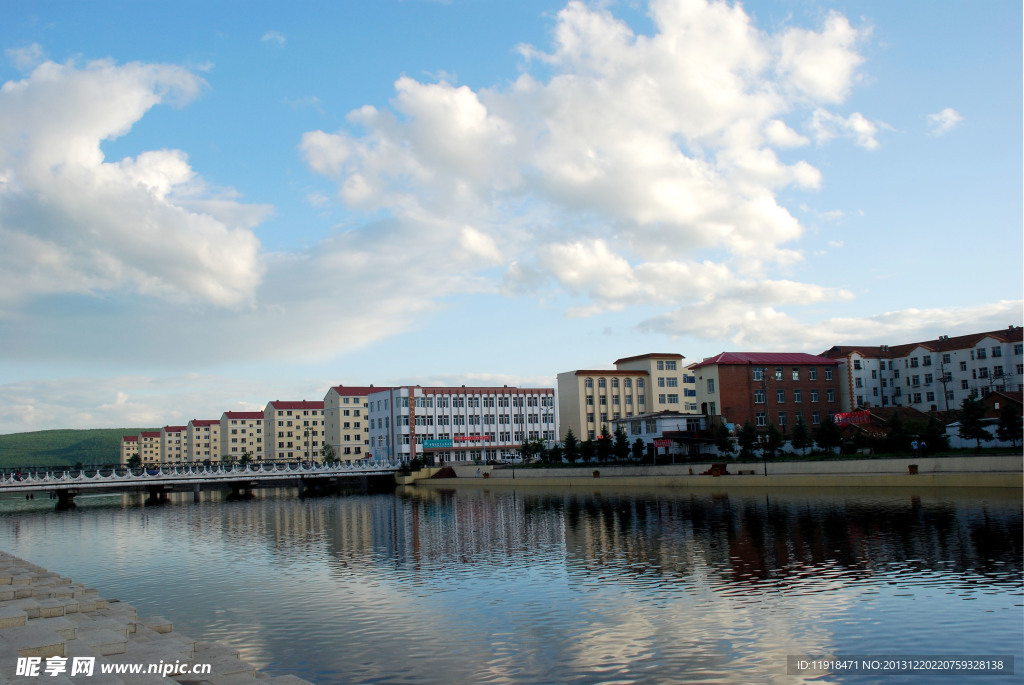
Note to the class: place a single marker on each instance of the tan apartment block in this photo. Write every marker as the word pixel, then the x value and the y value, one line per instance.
pixel 149 448
pixel 203 440
pixel 590 399
pixel 293 430
pixel 173 445
pixel 346 426
pixel 129 447
pixel 241 434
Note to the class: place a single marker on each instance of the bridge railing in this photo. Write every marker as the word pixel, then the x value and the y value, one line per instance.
pixel 210 472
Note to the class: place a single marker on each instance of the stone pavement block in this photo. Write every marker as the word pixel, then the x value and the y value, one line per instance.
pixel 157 623
pixel 63 627
pixel 6 593
pixel 11 617
pixel 29 606
pixel 50 608
pixel 31 640
pixel 103 641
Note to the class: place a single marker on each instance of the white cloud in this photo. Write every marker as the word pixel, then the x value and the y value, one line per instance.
pixel 26 58
pixel 275 38
pixel 827 126
pixel 943 122
pixel 76 223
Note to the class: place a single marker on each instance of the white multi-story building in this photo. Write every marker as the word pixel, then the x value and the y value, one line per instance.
pixel 202 440
pixel 241 433
pixel 149 448
pixel 591 399
pixel 173 446
pixel 935 375
pixel 458 424
pixel 346 426
pixel 293 430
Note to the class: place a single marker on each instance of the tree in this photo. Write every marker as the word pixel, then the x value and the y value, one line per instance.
pixel 587 450
pixel 896 437
pixel 747 438
pixel 1010 423
pixel 531 449
pixel 621 444
pixel 638 449
pixel 134 461
pixel 246 458
pixel 828 436
pixel 971 413
pixel 571 447
pixel 723 440
pixel 772 441
pixel 604 444
pixel 801 439
pixel 552 455
pixel 934 434
pixel 327 453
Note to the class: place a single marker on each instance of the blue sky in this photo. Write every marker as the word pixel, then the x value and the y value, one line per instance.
pixel 207 206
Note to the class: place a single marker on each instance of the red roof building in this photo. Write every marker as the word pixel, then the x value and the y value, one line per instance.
pixel 768 387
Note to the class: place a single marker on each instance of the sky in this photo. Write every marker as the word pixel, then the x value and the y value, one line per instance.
pixel 205 207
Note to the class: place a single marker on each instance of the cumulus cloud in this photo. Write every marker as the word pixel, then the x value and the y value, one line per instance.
pixel 73 222
pixel 274 38
pixel 941 123
pixel 634 153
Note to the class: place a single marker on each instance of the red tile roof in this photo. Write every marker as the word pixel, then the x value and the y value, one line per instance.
pixel 356 390
pixel 205 422
pixel 243 415
pixel 768 358
pixel 300 404
pixel 175 429
pixel 149 434
pixel 129 438
pixel 651 355
pixel 945 344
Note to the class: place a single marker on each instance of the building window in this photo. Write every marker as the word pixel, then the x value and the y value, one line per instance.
pixel 762 419
pixel 782 418
pixel 798 395
pixel 814 395
pixel 615 382
pixel 627 382
pixel 673 399
pixel 758 373
pixel 815 418
pixel 946 358
pixel 780 396
pixel 601 383
pixel 830 395
pixel 759 397
pixel 856 364
pixel 913 362
pixel 589 383
pixel 796 373
pixel 981 353
pixel 711 385
pixel 778 373
pixel 661 381
pixel 661 366
pixel 812 374
pixel 828 374
pixel 670 366
pixel 639 383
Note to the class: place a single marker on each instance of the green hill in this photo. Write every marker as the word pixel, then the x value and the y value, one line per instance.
pixel 64 447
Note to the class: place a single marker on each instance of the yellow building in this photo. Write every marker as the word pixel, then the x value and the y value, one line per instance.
pixel 241 434
pixel 129 447
pixel 293 431
pixel 150 448
pixel 173 446
pixel 590 399
pixel 346 426
pixel 202 440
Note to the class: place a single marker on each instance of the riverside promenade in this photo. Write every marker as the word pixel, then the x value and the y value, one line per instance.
pixel 56 631
pixel 1000 471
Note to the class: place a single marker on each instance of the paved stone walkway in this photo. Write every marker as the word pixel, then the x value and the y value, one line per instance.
pixel 44 615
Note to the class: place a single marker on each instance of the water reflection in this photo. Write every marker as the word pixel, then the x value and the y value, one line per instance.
pixel 544 585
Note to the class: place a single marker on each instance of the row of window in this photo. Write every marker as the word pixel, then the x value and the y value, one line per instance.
pixel 626 383
pixel 603 399
pixel 760 397
pixel 783 418
pixel 759 374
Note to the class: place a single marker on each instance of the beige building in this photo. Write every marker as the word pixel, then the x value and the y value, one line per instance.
pixel 590 399
pixel 346 426
pixel 202 440
pixel 241 433
pixel 129 447
pixel 149 448
pixel 173 445
pixel 293 430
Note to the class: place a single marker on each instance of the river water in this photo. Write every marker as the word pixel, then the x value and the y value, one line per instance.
pixel 567 586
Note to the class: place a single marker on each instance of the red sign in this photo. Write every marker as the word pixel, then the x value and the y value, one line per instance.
pixel 850 418
pixel 662 442
pixel 470 438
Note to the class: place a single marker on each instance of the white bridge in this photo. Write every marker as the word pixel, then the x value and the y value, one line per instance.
pixel 65 484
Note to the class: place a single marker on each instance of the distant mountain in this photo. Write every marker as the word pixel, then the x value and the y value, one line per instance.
pixel 64 447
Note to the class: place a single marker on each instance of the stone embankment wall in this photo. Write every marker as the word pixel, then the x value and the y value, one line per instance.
pixel 43 615
pixel 967 471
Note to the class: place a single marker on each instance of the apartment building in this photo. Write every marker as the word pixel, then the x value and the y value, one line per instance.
pixel 934 375
pixel 129 447
pixel 241 434
pixel 448 424
pixel 149 448
pixel 591 399
pixel 202 440
pixel 173 445
pixel 293 430
pixel 768 387
pixel 346 426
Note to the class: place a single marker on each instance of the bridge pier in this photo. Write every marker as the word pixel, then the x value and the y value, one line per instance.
pixel 157 495
pixel 195 493
pixel 66 500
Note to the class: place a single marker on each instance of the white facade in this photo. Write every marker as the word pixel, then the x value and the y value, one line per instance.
pixel 202 440
pixel 293 430
pixel 931 376
pixel 346 426
pixel 458 424
pixel 173 446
